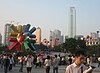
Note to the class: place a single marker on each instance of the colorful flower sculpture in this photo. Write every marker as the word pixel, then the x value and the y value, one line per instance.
pixel 22 37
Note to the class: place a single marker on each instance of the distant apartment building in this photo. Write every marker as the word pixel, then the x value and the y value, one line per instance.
pixel 55 38
pixel 93 35
pixel 7 30
pixel 52 34
pixel 93 39
pixel 38 35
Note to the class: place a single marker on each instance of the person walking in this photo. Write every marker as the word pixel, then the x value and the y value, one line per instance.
pixel 47 64
pixel 55 64
pixel 38 63
pixel 1 60
pixel 78 66
pixel 6 63
pixel 21 60
pixel 29 62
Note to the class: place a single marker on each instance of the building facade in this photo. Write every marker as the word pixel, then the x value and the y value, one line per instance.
pixel 7 30
pixel 93 39
pixel 55 38
pixel 38 35
pixel 72 23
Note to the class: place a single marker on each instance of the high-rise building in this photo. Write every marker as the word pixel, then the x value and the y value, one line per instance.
pixel 58 37
pixel 7 30
pixel 55 38
pixel 52 34
pixel 72 23
pixel 61 39
pixel 38 35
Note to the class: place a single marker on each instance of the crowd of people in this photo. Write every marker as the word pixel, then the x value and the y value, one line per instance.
pixel 77 63
pixel 8 61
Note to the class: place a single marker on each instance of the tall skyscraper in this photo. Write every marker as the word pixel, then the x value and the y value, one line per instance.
pixel 38 35
pixel 7 30
pixel 72 23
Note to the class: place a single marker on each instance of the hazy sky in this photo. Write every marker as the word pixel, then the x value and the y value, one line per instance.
pixel 51 14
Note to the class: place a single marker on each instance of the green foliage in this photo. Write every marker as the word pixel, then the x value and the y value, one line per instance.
pixel 57 48
pixel 3 48
pixel 95 49
pixel 71 45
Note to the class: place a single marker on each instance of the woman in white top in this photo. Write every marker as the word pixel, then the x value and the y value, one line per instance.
pixel 47 64
pixel 29 63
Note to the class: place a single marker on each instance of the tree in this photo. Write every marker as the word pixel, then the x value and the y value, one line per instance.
pixel 72 45
pixel 81 45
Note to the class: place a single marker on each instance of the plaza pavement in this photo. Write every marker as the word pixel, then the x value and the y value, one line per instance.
pixel 41 70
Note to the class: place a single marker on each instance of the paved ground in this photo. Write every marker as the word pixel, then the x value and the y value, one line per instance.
pixel 41 70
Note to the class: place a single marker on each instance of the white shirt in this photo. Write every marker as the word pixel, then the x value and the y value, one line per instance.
pixel 55 62
pixel 47 62
pixel 73 68
pixel 38 59
pixel 29 62
pixel 58 58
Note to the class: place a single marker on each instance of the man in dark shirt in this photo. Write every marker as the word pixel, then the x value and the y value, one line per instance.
pixel 6 63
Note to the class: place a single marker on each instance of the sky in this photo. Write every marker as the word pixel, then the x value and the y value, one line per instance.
pixel 51 15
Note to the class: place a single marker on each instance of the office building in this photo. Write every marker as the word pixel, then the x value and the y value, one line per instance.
pixel 93 35
pixel 93 39
pixel 7 30
pixel 72 23
pixel 55 38
pixel 38 35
